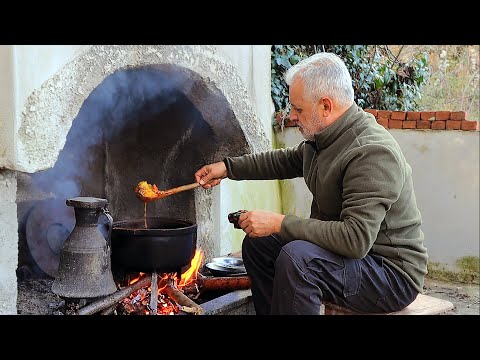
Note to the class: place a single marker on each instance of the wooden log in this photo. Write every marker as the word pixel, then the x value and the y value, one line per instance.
pixel 224 283
pixel 111 299
pixel 154 294
pixel 109 311
pixel 181 299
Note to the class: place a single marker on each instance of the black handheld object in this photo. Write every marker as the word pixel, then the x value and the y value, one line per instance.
pixel 234 216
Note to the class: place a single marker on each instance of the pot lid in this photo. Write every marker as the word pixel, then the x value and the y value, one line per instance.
pixel 87 202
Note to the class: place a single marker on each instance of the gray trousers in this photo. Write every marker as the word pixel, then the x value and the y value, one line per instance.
pixel 294 278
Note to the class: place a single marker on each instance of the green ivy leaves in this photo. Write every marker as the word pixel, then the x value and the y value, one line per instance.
pixel 380 80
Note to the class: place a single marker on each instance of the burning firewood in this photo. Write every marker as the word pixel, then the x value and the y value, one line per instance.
pixel 186 304
pixel 110 300
pixel 109 311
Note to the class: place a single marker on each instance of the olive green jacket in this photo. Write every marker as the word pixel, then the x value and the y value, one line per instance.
pixel 363 195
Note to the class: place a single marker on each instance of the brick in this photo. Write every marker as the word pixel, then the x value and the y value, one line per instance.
pixel 469 125
pixel 409 124
pixel 427 115
pixel 398 115
pixel 442 115
pixel 384 114
pixel 374 112
pixel 454 124
pixel 413 115
pixel 395 124
pixel 458 115
pixel 438 125
pixel 383 122
pixel 423 124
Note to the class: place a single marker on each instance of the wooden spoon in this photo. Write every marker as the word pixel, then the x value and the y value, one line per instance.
pixel 147 192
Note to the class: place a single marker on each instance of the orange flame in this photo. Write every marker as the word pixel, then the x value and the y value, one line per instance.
pixel 187 278
pixel 190 276
pixel 136 279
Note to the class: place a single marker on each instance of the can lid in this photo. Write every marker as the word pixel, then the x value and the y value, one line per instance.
pixel 87 202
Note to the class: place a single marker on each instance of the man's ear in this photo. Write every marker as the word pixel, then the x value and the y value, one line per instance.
pixel 326 106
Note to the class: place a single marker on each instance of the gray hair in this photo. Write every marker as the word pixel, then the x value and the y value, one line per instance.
pixel 323 74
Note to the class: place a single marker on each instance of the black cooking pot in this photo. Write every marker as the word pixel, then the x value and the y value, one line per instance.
pixel 167 245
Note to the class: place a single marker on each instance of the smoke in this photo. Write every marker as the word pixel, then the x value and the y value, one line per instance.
pixel 109 110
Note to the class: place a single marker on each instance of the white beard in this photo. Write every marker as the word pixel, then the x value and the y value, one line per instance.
pixel 314 127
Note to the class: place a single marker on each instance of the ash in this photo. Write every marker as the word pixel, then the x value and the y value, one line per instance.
pixel 35 297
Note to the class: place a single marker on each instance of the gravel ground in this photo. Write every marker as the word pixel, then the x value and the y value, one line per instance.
pixel 465 297
pixel 35 297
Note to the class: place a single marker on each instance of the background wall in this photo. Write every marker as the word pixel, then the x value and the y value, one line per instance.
pixel 446 176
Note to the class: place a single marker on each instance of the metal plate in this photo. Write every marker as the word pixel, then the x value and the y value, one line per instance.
pixel 229 263
pixel 217 270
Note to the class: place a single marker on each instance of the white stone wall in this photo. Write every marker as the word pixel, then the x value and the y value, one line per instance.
pixel 445 167
pixel 24 68
pixel 253 63
pixel 8 242
pixel 7 108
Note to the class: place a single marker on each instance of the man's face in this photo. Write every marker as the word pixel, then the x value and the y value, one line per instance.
pixel 304 113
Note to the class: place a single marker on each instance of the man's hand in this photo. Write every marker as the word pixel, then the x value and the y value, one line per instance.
pixel 211 175
pixel 257 223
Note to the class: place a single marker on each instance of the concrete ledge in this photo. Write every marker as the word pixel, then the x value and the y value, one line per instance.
pixel 238 302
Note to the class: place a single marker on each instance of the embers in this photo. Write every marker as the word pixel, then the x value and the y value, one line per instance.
pixel 161 297
pixel 144 302
pixel 159 293
pixel 137 297
pixel 155 294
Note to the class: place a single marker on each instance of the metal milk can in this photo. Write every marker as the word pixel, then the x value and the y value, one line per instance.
pixel 84 270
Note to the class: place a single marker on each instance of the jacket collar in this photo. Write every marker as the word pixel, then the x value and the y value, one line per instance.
pixel 329 135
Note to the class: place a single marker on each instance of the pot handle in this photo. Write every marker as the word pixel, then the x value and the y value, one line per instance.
pixel 110 224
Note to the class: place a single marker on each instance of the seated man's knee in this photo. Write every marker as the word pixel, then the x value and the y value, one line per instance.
pixel 247 243
pixel 290 254
pixel 303 253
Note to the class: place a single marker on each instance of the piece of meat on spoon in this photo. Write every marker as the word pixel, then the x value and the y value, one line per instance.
pixel 147 192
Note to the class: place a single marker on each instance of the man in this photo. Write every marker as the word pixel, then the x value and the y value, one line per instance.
pixel 362 247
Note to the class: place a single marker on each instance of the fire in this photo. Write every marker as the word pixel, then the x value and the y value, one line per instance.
pixel 190 276
pixel 187 278
pixel 136 279
pixel 165 304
